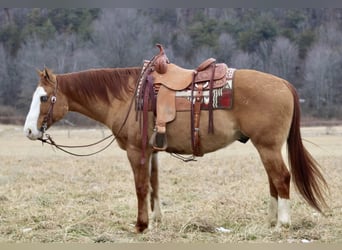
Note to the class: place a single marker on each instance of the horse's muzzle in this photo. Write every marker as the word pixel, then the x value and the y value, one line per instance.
pixel 33 135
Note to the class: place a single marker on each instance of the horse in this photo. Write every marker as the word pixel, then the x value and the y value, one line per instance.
pixel 266 110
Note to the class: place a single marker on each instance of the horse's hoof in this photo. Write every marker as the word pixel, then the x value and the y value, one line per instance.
pixel 156 217
pixel 282 226
pixel 271 221
pixel 141 227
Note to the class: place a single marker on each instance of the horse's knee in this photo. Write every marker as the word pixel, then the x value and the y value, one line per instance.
pixel 142 191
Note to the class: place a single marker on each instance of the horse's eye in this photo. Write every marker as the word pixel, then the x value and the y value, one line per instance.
pixel 44 98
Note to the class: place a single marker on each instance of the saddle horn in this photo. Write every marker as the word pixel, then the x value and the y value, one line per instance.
pixel 161 60
pixel 161 49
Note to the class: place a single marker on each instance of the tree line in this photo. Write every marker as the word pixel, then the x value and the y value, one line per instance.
pixel 301 45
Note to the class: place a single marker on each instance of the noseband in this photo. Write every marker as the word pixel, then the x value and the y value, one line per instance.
pixel 49 116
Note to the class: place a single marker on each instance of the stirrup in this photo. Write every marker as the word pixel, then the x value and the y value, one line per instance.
pixel 158 141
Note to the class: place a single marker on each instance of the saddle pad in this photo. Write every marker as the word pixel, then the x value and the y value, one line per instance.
pixel 222 97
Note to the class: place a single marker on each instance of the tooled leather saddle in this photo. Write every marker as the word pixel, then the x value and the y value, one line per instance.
pixel 166 88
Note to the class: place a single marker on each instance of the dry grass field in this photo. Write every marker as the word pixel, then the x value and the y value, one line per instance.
pixel 49 196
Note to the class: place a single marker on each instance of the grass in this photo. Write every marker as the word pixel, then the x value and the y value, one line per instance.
pixel 48 196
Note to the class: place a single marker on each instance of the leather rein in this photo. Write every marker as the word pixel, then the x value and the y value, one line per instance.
pixel 49 117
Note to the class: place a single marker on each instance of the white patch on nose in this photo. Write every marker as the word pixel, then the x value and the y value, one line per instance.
pixel 30 128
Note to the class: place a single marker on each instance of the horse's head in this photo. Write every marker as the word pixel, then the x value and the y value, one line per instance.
pixel 48 106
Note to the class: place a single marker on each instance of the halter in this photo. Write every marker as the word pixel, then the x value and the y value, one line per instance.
pixel 49 116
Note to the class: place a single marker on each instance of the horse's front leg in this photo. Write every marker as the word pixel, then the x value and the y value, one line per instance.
pixel 155 204
pixel 142 186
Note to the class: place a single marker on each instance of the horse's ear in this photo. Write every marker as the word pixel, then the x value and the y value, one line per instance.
pixel 39 73
pixel 47 73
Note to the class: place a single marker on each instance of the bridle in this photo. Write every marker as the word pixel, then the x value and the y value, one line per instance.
pixel 49 116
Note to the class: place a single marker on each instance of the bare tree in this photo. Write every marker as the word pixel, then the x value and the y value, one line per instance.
pixel 323 73
pixel 60 53
pixel 123 38
pixel 3 73
pixel 8 15
pixel 3 64
pixel 284 58
pixel 245 60
pixel 264 52
pixel 226 48
pixel 181 51
pixel 201 54
pixel 320 75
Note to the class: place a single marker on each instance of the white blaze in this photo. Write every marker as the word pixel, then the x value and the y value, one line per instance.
pixel 30 128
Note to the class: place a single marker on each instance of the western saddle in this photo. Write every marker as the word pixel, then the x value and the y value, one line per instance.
pixel 160 82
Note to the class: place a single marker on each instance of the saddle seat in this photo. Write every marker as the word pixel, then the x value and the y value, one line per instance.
pixel 177 78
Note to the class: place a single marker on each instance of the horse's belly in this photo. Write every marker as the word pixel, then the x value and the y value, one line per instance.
pixel 179 132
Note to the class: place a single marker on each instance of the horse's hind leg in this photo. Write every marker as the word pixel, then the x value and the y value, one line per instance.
pixel 155 204
pixel 279 181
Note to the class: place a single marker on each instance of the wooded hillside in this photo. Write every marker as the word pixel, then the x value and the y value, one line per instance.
pixel 303 46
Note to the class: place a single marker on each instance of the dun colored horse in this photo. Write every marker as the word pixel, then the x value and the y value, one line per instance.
pixel 266 110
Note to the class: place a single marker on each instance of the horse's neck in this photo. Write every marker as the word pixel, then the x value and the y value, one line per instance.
pixel 97 108
pixel 94 110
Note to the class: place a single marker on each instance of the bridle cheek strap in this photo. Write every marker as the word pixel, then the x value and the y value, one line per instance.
pixel 49 116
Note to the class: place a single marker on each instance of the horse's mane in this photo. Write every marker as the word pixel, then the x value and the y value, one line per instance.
pixel 99 83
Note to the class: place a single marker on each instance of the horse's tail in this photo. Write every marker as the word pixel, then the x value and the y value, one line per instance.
pixel 305 172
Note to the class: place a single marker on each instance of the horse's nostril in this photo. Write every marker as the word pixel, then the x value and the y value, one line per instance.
pixel 29 131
